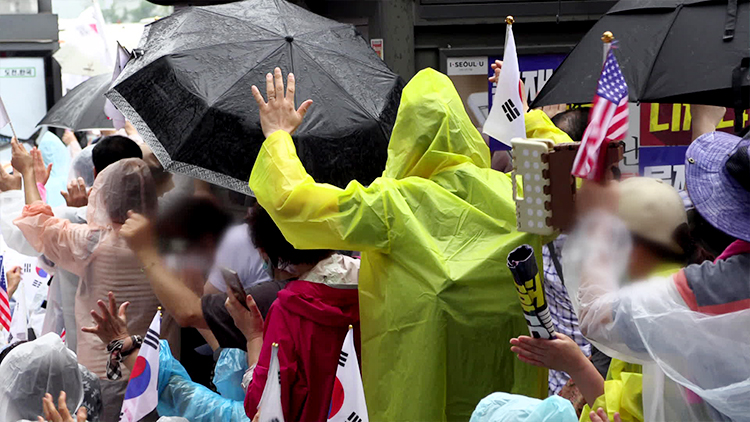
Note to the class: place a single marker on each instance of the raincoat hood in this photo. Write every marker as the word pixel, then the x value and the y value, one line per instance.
pixel 33 369
pixel 55 152
pixel 320 303
pixel 432 130
pixel 123 186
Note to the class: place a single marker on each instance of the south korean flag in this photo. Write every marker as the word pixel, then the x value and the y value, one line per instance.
pixel 348 399
pixel 506 119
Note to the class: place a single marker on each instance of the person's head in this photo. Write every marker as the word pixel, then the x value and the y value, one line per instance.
pixel 654 214
pixel 190 230
pixel 717 177
pixel 271 243
pixel 111 149
pixel 573 122
pixel 432 131
pixel 83 166
pixel 30 370
pixel 123 186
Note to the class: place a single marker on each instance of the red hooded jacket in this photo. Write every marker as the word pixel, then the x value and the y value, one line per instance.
pixel 309 321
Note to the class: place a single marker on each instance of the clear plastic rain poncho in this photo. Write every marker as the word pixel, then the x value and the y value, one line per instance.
pixel 95 252
pixel 56 153
pixel 180 396
pixel 83 166
pixel 696 366
pixel 34 369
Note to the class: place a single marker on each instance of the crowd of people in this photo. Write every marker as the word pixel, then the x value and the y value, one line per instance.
pixel 649 293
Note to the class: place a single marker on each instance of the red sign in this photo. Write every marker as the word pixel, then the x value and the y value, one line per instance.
pixel 671 124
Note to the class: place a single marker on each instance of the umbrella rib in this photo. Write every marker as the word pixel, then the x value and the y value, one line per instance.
pixel 335 82
pixel 260 61
pixel 347 57
pixel 240 20
pixel 278 7
pixel 330 28
pixel 190 50
pixel 653 63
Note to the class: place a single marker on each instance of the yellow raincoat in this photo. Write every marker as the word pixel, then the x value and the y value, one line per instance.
pixel 437 301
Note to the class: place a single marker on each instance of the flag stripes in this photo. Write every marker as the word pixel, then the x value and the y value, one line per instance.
pixel 342 358
pixel 152 339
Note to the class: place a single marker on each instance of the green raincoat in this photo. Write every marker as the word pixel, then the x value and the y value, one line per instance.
pixel 437 301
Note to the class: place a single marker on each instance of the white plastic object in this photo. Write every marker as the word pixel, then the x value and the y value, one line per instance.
pixel 533 213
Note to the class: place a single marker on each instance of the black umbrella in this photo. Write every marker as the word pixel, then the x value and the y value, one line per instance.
pixel 670 51
pixel 189 93
pixel 82 108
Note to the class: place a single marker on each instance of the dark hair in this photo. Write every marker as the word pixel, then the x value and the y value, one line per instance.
pixel 573 122
pixel 706 235
pixel 267 237
pixel 111 149
pixel 192 219
pixel 8 349
pixel 693 253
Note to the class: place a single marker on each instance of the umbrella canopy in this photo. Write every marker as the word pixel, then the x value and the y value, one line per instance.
pixel 189 93
pixel 82 108
pixel 670 51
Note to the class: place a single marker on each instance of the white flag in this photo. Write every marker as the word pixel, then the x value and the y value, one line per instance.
pixel 141 396
pixel 348 399
pixel 4 118
pixel 118 120
pixel 506 120
pixel 269 406
pixel 19 323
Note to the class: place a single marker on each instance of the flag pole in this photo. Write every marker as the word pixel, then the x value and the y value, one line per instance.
pixel 607 38
pixel 12 129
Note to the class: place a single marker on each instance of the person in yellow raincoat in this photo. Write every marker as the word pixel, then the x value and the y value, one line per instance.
pixel 437 302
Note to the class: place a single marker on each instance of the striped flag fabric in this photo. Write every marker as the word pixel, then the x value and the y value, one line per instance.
pixel 608 120
pixel 4 300
pixel 141 396
pixel 348 398
pixel 269 406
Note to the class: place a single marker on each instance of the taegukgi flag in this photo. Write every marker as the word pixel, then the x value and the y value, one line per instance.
pixel 506 120
pixel 141 396
pixel 269 406
pixel 348 400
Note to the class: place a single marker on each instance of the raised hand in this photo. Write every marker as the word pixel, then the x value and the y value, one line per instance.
pixel 137 232
pixel 561 353
pixel 112 324
pixel 40 171
pixel 14 280
pixel 77 194
pixel 9 181
pixel 601 416
pixel 61 413
pixel 279 112
pixel 21 159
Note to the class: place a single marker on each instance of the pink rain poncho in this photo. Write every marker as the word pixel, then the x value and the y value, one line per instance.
pixel 96 253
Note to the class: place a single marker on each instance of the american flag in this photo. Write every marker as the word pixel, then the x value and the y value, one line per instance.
pixel 4 301
pixel 608 119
